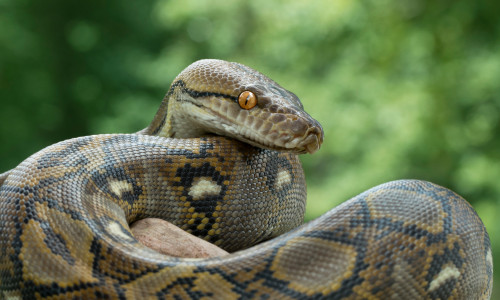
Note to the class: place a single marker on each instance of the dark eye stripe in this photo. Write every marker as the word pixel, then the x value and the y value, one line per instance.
pixel 198 94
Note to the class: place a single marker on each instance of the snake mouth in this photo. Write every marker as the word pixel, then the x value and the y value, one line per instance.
pixel 288 138
pixel 309 143
pixel 313 140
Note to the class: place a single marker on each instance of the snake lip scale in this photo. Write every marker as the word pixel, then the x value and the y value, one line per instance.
pixel 219 160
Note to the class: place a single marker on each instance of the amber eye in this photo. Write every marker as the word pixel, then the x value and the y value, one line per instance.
pixel 247 100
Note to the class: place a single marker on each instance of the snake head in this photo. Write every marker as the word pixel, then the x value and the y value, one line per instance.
pixel 230 99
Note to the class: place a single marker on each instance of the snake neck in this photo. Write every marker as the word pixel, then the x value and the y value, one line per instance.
pixel 169 120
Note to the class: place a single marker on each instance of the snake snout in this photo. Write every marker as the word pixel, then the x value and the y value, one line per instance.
pixel 302 135
pixel 313 139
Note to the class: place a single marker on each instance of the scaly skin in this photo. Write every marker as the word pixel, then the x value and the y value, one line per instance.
pixel 64 211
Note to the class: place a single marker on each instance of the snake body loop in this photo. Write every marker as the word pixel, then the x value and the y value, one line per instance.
pixel 211 162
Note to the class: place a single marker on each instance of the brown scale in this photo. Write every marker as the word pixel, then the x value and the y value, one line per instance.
pixel 65 211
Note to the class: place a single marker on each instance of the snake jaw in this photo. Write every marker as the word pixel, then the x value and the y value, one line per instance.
pixel 256 130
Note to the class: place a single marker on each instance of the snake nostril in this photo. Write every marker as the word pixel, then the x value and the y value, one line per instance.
pixel 314 139
pixel 320 133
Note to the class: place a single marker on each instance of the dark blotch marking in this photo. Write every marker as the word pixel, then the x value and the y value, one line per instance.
pixel 112 173
pixel 187 175
pixel 56 243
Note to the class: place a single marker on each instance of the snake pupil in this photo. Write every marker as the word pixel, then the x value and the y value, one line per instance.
pixel 247 100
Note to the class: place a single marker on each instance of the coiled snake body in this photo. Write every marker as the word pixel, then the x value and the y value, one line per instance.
pixel 64 211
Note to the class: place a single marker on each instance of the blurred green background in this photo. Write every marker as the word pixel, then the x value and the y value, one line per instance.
pixel 404 89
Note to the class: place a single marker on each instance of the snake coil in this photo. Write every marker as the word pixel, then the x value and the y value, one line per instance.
pixel 220 161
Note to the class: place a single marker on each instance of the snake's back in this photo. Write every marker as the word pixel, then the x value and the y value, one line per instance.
pixel 65 214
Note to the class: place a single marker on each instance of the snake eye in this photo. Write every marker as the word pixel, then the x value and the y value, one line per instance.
pixel 247 100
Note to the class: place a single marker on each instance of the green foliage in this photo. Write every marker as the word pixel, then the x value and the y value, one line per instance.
pixel 404 89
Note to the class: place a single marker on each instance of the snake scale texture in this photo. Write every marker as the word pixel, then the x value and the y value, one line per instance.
pixel 220 161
